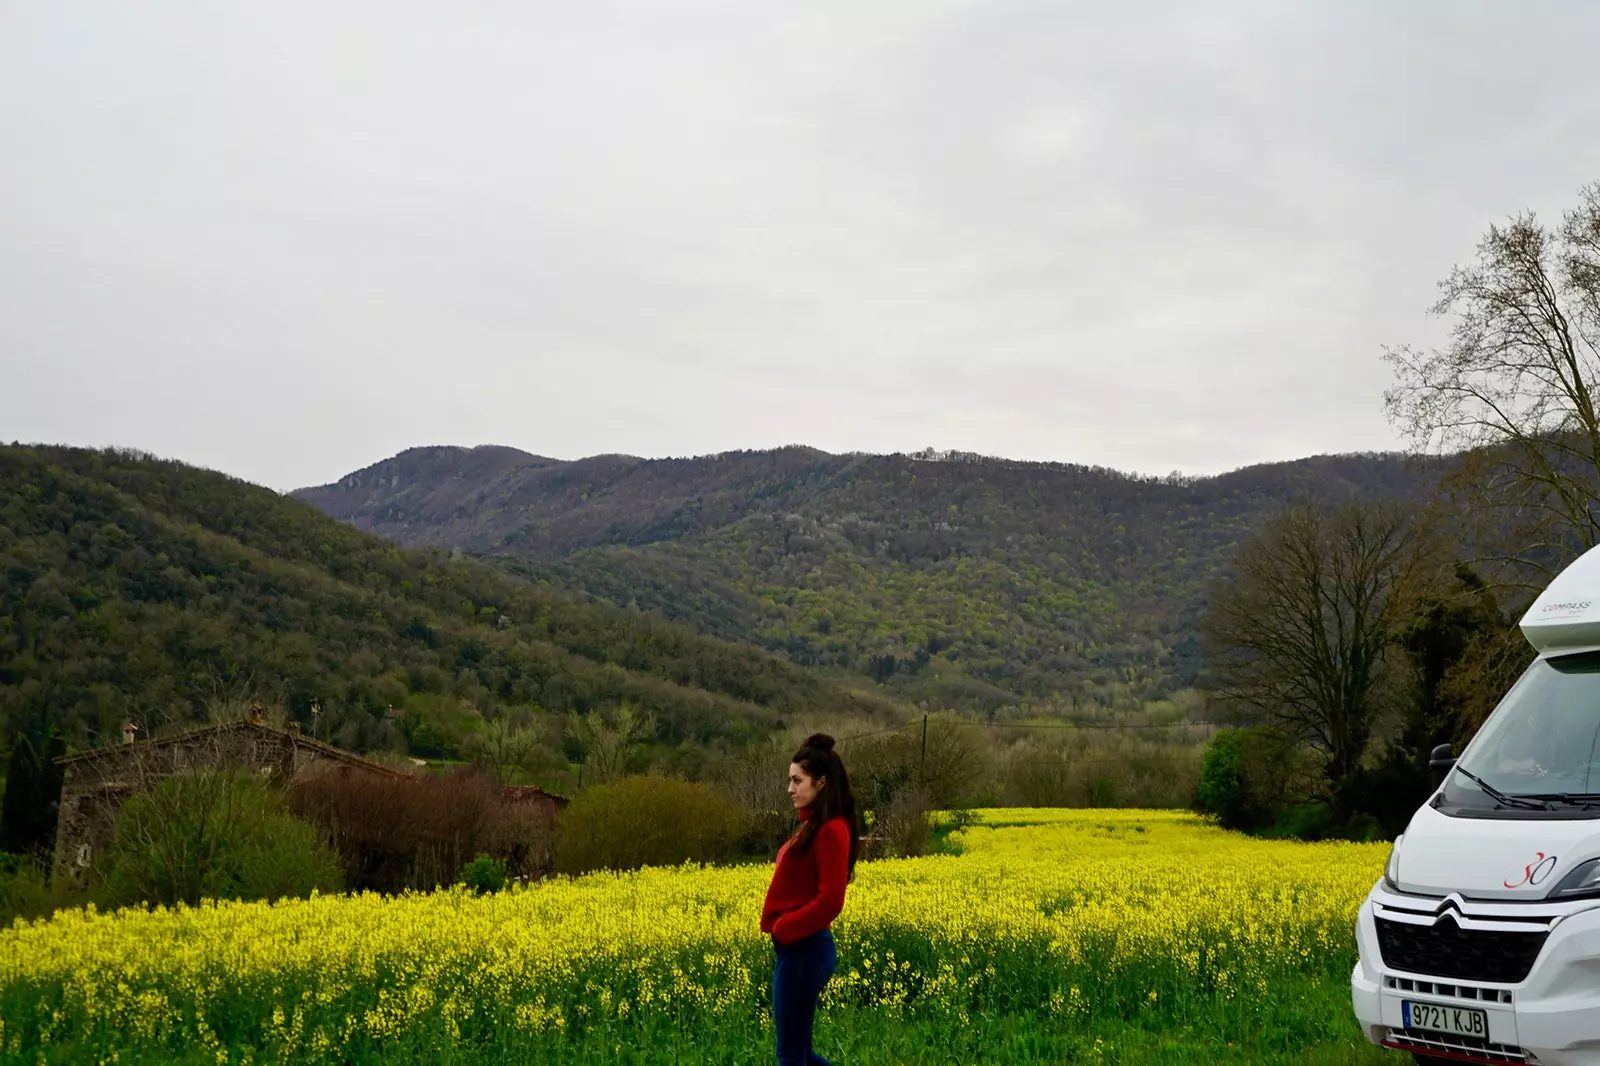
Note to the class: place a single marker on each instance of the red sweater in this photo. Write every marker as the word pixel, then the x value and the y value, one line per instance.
pixel 807 890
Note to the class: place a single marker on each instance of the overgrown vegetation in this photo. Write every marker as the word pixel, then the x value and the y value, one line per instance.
pixel 397 833
pixel 213 834
pixel 26 891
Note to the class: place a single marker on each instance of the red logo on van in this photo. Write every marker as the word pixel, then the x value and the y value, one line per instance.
pixel 1535 871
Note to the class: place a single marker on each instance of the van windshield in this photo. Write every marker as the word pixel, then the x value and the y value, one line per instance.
pixel 1541 742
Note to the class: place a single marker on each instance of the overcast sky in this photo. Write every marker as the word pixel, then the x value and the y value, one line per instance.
pixel 287 240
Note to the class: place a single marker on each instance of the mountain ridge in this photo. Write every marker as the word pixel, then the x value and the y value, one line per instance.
pixel 145 589
pixel 955 579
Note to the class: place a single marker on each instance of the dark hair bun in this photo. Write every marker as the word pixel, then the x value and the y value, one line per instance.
pixel 819 742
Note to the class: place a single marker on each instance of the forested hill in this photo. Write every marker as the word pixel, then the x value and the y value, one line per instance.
pixel 958 579
pixel 145 589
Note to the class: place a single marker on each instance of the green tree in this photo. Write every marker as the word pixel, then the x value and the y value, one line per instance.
pixel 18 818
pixel 1436 642
pixel 439 726
pixel 32 797
pixel 134 584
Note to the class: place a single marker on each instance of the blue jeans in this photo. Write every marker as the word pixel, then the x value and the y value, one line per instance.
pixel 802 969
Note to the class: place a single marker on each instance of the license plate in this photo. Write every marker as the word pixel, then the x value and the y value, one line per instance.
pixel 1461 1021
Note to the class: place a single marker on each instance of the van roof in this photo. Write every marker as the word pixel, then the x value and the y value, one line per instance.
pixel 1567 613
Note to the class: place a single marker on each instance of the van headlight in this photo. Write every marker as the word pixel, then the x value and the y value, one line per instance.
pixel 1583 881
pixel 1391 870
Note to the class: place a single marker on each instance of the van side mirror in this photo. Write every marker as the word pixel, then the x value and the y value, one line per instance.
pixel 1441 761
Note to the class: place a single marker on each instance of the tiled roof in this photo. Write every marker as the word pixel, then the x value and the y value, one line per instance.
pixel 521 792
pixel 300 740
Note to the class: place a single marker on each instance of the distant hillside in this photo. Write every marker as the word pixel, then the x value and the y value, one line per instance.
pixel 144 589
pixel 959 579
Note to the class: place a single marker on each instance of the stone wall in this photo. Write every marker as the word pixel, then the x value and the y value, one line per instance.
pixel 95 784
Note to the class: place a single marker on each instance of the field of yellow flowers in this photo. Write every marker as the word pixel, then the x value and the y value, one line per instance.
pixel 1051 936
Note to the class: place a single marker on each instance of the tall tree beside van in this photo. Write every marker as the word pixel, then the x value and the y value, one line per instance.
pixel 1305 637
pixel 32 792
pixel 1514 388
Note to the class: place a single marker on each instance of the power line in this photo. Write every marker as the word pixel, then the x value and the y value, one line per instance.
pixel 1082 725
pixel 1038 725
pixel 874 733
pixel 1097 760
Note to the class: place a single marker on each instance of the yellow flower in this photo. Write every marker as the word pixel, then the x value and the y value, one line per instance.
pixel 1050 910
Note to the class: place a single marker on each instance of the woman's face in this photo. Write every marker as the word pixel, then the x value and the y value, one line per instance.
pixel 803 788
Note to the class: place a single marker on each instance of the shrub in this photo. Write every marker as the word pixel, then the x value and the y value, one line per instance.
pixel 1252 779
pixel 484 874
pixel 1222 792
pixel 1101 768
pixel 395 833
pixel 213 834
pixel 648 821
pixel 1305 821
pixel 26 892
pixel 902 827
pixel 950 762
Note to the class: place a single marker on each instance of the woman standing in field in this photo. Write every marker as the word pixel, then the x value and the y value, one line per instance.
pixel 807 893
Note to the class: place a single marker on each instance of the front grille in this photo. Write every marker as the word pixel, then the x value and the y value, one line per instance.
pixel 1454 1048
pixel 1440 990
pixel 1444 949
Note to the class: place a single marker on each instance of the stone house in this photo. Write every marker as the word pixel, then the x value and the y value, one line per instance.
pixel 95 783
pixel 544 808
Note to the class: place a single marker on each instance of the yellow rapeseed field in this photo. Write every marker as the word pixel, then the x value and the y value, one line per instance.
pixel 1059 914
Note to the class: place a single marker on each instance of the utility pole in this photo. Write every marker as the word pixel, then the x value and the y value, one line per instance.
pixel 922 763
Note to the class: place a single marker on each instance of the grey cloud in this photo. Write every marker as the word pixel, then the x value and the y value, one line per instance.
pixel 287 240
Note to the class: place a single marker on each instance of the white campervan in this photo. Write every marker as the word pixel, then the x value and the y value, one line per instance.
pixel 1482 941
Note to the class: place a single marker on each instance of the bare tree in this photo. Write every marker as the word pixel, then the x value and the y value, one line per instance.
pixel 502 747
pixel 1303 637
pixel 944 757
pixel 1514 389
pixel 608 740
pixel 754 777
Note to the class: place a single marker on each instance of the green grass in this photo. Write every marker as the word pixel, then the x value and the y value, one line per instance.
pixel 1314 1028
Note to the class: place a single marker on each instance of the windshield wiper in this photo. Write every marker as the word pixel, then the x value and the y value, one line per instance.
pixel 1575 799
pixel 1527 803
